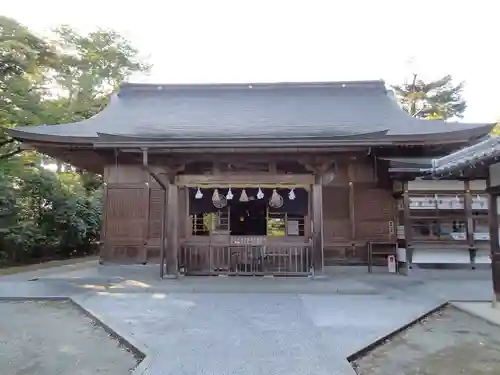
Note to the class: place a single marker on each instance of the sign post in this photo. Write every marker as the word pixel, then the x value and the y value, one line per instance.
pixel 391 263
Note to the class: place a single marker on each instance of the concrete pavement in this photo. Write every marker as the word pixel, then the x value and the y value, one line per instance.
pixel 245 325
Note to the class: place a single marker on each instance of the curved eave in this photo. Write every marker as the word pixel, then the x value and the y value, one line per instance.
pixel 27 136
pixel 106 137
pixel 465 161
pixel 462 135
pixel 379 138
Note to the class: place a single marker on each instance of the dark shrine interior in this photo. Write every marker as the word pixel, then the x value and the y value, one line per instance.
pixel 248 218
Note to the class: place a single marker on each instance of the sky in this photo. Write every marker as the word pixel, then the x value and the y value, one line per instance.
pixel 207 41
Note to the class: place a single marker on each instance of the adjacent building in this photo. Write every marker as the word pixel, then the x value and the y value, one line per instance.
pixel 479 161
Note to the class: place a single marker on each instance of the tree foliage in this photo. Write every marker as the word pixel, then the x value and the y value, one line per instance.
pixel 46 214
pixel 439 99
pixel 25 60
pixel 496 130
pixel 91 66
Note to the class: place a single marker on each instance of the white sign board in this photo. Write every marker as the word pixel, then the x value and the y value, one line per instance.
pixel 401 254
pixel 293 228
pixel 481 236
pixel 422 203
pixel 479 202
pixel 450 203
pixel 391 263
pixel 459 236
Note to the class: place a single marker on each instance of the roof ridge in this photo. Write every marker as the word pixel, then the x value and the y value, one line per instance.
pixel 362 84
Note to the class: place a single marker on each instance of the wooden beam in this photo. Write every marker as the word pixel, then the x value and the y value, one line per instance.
pixel 103 247
pixel 317 213
pixel 163 235
pixel 407 223
pixel 494 241
pixel 172 250
pixel 469 223
pixel 147 222
pixel 273 167
pixel 307 163
pixel 352 214
pixel 254 179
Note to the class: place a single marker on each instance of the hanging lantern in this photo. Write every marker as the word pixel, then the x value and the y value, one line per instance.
pixel 215 196
pixel 276 200
pixel 221 202
pixel 198 194
pixel 229 194
pixel 291 195
pixel 275 196
pixel 243 196
pixel 260 194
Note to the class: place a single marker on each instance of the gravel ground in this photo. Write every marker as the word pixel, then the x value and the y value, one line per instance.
pixel 54 337
pixel 449 342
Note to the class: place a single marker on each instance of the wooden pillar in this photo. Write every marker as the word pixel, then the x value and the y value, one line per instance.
pixel 352 218
pixel 103 246
pixel 494 242
pixel 172 250
pixel 163 236
pixel 407 223
pixel 317 213
pixel 147 222
pixel 469 223
pixel 352 215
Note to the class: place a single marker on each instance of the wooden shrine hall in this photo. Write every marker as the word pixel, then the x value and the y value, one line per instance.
pixel 250 179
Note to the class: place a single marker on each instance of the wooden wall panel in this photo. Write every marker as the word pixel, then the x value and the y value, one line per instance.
pixel 335 202
pixel 341 176
pixel 357 171
pixel 363 172
pixel 374 210
pixel 124 174
pixel 156 207
pixel 132 174
pixel 336 224
pixel 126 215
pixel 337 230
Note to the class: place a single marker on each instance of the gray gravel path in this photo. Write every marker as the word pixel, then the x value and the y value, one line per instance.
pixel 54 337
pixel 449 342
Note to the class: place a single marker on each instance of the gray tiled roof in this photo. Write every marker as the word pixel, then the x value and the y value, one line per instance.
pixel 467 157
pixel 261 111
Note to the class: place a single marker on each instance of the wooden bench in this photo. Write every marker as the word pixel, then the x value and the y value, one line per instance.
pixel 448 253
pixel 380 249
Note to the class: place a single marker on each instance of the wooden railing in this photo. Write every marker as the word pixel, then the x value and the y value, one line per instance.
pixel 268 259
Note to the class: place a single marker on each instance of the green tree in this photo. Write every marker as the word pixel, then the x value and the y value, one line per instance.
pixel 90 68
pixel 25 64
pixel 45 214
pixel 496 130
pixel 430 100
